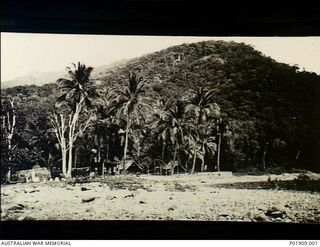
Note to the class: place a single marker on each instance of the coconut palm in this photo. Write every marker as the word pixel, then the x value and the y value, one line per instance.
pixel 78 88
pixel 193 148
pixel 222 130
pixel 131 102
pixel 202 105
pixel 77 91
pixel 179 123
pixel 207 141
pixel 161 123
pixel 204 110
pixel 200 143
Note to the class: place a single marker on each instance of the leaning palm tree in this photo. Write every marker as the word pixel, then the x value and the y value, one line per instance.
pixel 77 92
pixel 131 102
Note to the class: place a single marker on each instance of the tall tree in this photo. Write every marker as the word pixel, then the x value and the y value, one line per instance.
pixel 131 101
pixel 181 124
pixel 161 123
pixel 77 92
pixel 204 108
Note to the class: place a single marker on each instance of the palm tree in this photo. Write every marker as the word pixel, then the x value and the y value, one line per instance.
pixel 222 126
pixel 207 141
pixel 161 124
pixel 131 102
pixel 77 91
pixel 202 105
pixel 204 110
pixel 193 149
pixel 181 124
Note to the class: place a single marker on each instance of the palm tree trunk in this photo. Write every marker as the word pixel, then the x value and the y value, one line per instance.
pixel 194 159
pixel 125 147
pixel 174 159
pixel 202 161
pixel 107 156
pixel 218 154
pixel 264 154
pixel 179 162
pixel 163 148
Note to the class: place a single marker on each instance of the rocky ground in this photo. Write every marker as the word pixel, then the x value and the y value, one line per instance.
pixel 276 198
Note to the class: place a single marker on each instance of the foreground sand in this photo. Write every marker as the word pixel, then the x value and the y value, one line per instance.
pixel 179 197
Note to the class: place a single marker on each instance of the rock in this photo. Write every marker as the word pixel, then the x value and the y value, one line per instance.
pixel 224 215
pixel 111 198
pixel 172 208
pixel 142 202
pixel 17 207
pixel 259 218
pixel 56 179
pixel 88 199
pixel 30 190
pixel 275 213
pixel 21 217
pixel 131 195
pixel 84 189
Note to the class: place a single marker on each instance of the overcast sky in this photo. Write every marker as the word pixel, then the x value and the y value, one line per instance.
pixel 22 54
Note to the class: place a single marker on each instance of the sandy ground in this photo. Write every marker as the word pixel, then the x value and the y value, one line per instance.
pixel 147 197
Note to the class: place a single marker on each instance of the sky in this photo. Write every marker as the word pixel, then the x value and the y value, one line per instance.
pixel 23 53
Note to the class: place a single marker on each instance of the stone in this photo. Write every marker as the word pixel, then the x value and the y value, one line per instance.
pixel 131 195
pixel 259 218
pixel 56 179
pixel 22 217
pixel 17 207
pixel 275 213
pixel 30 190
pixel 88 199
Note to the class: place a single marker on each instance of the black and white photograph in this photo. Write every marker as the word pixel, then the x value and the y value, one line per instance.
pixel 160 128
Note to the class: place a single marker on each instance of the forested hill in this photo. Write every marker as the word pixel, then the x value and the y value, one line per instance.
pixel 272 108
pixel 266 101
